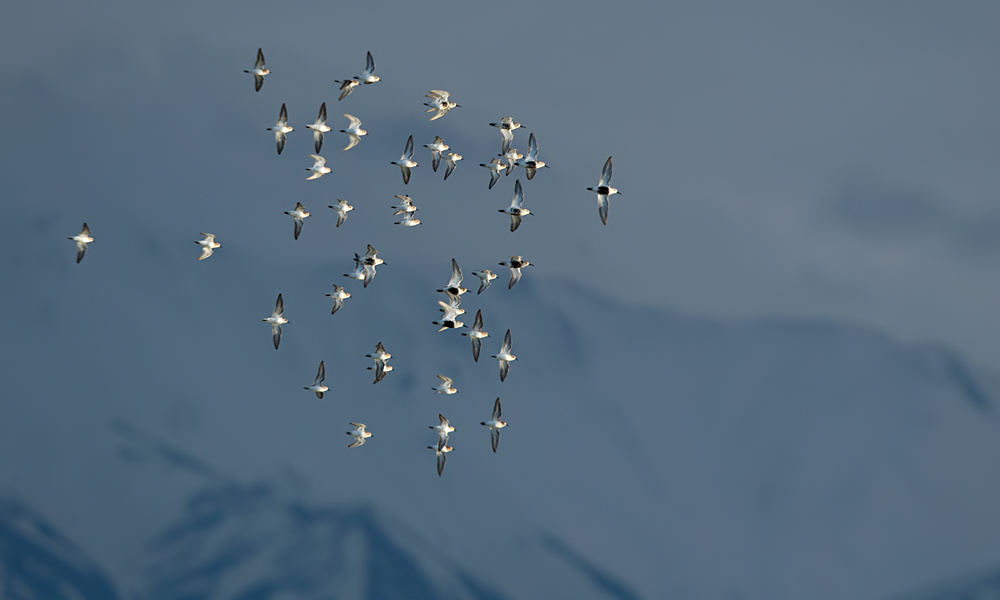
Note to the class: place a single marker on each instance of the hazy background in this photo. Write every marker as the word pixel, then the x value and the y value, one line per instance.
pixel 825 170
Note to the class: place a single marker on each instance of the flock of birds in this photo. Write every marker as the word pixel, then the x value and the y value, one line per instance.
pixel 365 266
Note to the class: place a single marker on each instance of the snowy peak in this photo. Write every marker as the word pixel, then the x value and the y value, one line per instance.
pixel 256 541
pixel 38 563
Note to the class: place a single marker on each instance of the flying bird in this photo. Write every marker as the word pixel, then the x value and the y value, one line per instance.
pixel 353 131
pixel 495 167
pixel 604 190
pixel 451 311
pixel 342 209
pixel 319 168
pixel 452 305
pixel 82 239
pixel 281 128
pixel 485 277
pixel 207 245
pixel 408 220
pixel 495 425
pixel 405 205
pixel 406 161
pixel 476 335
pixel 380 370
pixel 507 125
pixel 380 357
pixel 511 156
pixel 277 320
pixel 259 71
pixel 359 433
pixel 446 386
pixel 440 103
pixel 505 357
pixel 298 215
pixel 346 87
pixel 516 264
pixel 380 353
pixel 441 452
pixel 436 147
pixel 359 269
pixel 451 161
pixel 319 128
pixel 531 162
pixel 338 295
pixel 515 210
pixel 455 283
pixel 443 428
pixel 317 385
pixel 368 75
pixel 371 260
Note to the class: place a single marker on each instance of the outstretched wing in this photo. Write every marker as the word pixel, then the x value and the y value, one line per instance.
pixel 606 174
pixel 515 276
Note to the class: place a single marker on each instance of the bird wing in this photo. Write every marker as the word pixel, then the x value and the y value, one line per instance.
pixel 606 174
pixel 532 149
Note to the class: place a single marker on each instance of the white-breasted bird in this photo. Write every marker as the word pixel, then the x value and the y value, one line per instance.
pixel 408 220
pixel 380 368
pixel 338 295
pixel 319 167
pixel 276 320
pixel 495 425
pixel 446 386
pixel 359 433
pixel 359 269
pixel 436 147
pixel 342 209
pixel 476 335
pixel 319 128
pixel 353 131
pixel 406 161
pixel 507 125
pixel 531 163
pixel 440 103
pixel 281 128
pixel 405 205
pixel 207 245
pixel 317 385
pixel 495 166
pixel 604 190
pixel 380 357
pixel 346 87
pixel 451 161
pixel 443 428
pixel 511 156
pixel 380 353
pixel 82 239
pixel 485 277
pixel 297 215
pixel 258 71
pixel 441 452
pixel 515 210
pixel 455 283
pixel 504 356
pixel 368 75
pixel 515 264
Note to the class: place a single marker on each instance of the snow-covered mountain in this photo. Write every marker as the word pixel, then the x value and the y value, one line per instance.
pixel 647 453
pixel 39 563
